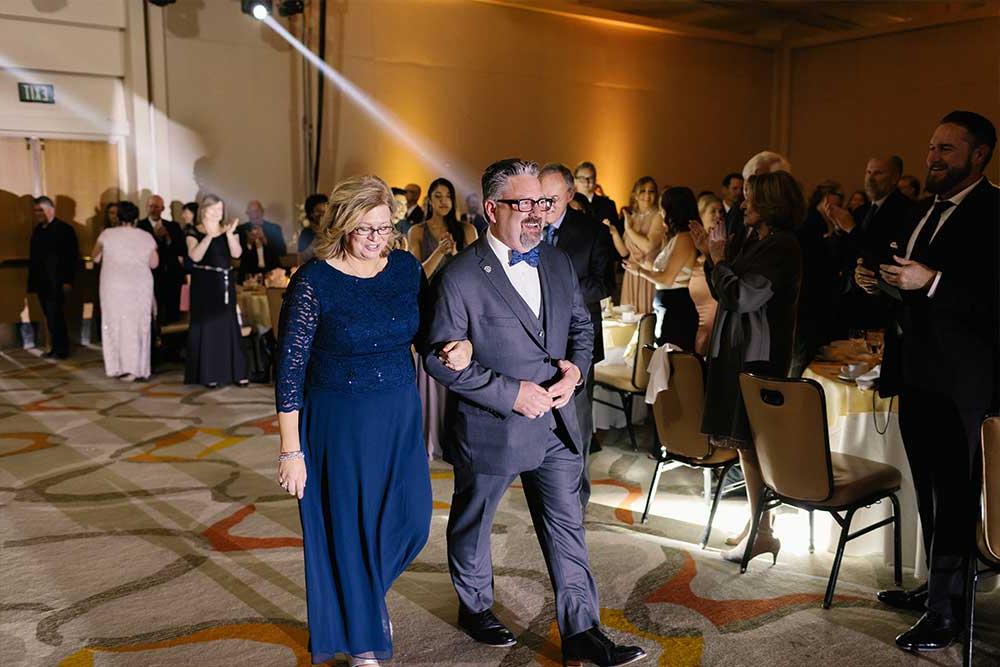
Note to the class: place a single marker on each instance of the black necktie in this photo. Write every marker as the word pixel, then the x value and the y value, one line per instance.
pixel 872 210
pixel 923 241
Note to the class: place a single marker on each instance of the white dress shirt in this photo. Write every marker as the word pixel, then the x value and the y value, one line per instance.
pixel 956 200
pixel 522 276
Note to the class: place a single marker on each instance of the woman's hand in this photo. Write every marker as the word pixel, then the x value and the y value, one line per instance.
pixel 230 229
pixel 631 266
pixel 699 235
pixel 446 246
pixel 456 355
pixel 717 243
pixel 292 477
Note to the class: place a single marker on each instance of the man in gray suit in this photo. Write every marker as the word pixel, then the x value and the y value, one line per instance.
pixel 519 303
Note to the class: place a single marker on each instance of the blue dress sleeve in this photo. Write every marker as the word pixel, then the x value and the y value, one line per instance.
pixel 300 314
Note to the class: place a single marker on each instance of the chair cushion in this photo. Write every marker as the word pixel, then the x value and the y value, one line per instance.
pixel 855 479
pixel 718 457
pixel 614 375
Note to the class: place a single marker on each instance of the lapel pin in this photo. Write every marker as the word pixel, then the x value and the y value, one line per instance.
pixel 487 268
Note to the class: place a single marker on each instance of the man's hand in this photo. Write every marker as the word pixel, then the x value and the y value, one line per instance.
pixel 909 275
pixel 865 278
pixel 561 392
pixel 532 400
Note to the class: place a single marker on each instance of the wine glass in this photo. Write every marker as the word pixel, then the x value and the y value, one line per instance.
pixel 857 338
pixel 875 341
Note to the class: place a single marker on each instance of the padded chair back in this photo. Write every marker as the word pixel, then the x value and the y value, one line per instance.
pixel 991 487
pixel 788 423
pixel 274 298
pixel 647 332
pixel 678 411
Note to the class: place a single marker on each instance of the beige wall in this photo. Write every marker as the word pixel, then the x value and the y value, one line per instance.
pixel 885 95
pixel 480 82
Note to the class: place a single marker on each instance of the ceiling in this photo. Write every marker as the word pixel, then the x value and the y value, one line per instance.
pixel 778 20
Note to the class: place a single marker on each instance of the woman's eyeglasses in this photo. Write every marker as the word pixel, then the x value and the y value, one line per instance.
pixel 366 231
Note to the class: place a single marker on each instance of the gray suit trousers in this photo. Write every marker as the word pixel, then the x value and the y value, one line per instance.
pixel 553 494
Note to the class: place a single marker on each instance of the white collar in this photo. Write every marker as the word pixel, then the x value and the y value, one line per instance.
pixel 957 199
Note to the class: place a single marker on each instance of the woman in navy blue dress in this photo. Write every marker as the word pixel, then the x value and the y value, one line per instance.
pixel 349 416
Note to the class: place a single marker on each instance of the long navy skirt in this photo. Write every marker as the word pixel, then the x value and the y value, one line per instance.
pixel 365 513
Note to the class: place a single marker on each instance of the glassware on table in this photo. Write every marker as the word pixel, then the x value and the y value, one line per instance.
pixel 875 341
pixel 857 339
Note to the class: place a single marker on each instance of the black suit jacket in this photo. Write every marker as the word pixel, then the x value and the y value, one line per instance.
pixel 172 250
pixel 273 234
pixel 949 341
pixel 416 216
pixel 600 209
pixel 54 254
pixel 589 246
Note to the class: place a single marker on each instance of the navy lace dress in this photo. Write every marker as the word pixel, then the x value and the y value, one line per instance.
pixel 345 363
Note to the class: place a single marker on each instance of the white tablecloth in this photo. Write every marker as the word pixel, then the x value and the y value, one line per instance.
pixel 617 335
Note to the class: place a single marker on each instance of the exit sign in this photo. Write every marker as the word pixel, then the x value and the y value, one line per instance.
pixel 41 93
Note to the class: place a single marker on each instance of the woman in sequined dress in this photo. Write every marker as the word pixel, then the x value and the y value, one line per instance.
pixel 349 417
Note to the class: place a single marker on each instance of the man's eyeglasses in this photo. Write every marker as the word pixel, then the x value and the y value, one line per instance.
pixel 588 179
pixel 526 205
pixel 384 230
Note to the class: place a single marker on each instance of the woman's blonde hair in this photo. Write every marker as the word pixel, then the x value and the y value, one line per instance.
pixel 350 201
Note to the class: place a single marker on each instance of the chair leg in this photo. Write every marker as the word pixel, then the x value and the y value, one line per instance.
pixel 627 405
pixel 897 542
pixel 652 490
pixel 715 503
pixel 835 571
pixel 970 608
pixel 754 524
pixel 812 532
pixel 706 479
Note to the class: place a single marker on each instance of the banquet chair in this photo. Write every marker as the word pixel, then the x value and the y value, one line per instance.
pixel 677 415
pixel 788 424
pixel 628 382
pixel 274 297
pixel 987 547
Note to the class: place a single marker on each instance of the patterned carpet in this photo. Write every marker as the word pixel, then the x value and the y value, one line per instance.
pixel 141 525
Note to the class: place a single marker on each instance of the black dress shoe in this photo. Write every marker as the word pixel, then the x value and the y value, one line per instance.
pixel 931 633
pixel 911 600
pixel 596 647
pixel 485 628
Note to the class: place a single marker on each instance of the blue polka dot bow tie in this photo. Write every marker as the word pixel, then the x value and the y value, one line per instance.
pixel 531 257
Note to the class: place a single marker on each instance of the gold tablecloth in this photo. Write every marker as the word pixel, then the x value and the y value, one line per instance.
pixel 844 397
pixel 254 308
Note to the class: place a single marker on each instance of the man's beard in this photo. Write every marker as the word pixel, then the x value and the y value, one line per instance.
pixel 874 194
pixel 531 239
pixel 939 182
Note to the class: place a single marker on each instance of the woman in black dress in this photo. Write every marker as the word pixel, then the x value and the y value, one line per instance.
pixel 214 355
pixel 754 327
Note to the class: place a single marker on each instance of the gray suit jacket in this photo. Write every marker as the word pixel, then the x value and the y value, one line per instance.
pixel 473 299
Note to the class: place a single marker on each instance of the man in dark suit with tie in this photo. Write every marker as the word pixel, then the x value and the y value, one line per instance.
pixel 53 256
pixel 598 207
pixel 414 211
pixel 168 276
pixel 732 199
pixel 945 271
pixel 588 244
pixel 519 303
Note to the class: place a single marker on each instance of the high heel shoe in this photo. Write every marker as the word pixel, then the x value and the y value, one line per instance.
pixel 764 544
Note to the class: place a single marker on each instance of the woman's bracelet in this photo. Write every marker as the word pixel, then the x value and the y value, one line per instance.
pixel 290 456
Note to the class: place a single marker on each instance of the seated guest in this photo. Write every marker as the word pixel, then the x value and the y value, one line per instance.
pixel 909 185
pixel 54 254
pixel 594 203
pixel 755 322
pixel 642 240
pixel 214 355
pixel 710 213
pixel 273 236
pixel 127 256
pixel 670 271
pixel 474 213
pixel 168 276
pixel 315 207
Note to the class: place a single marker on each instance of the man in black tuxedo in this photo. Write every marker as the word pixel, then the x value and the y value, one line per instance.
pixel 868 240
pixel 54 254
pixel 168 276
pixel 588 244
pixel 598 207
pixel 945 271
pixel 414 212
pixel 732 198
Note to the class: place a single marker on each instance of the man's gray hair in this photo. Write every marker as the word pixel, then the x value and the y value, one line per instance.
pixel 766 162
pixel 496 175
pixel 558 168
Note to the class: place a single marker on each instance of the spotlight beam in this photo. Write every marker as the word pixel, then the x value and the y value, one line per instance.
pixel 377 112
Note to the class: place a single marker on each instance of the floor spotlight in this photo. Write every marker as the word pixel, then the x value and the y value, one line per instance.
pixel 291 7
pixel 259 9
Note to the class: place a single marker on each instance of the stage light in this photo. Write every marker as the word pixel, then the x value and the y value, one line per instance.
pixel 259 9
pixel 291 7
